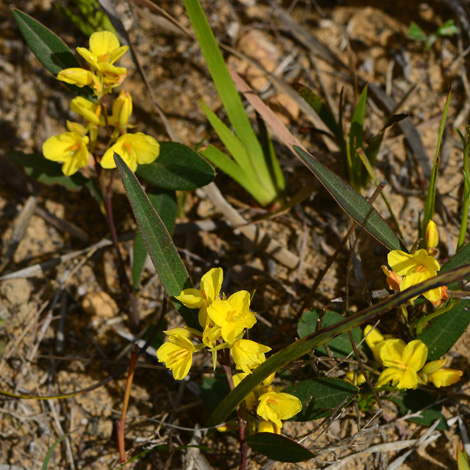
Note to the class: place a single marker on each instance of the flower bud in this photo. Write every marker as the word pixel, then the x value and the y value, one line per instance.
pixel 122 109
pixel 432 235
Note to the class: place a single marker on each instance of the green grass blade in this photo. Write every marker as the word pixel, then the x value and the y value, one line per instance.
pixel 322 336
pixel 353 203
pixel 356 139
pixel 228 166
pixel 51 450
pixel 431 196
pixel 466 192
pixel 228 92
pixel 158 241
pixel 231 141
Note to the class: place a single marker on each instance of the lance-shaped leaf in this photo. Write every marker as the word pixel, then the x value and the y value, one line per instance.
pixel 305 345
pixel 279 448
pixel 160 246
pixel 352 202
pixel 49 49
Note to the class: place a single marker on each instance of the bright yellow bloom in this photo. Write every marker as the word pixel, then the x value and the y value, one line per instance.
pixel 402 362
pixel 415 268
pixel 201 298
pixel 435 373
pixel 248 354
pixel 104 49
pixel 275 406
pixel 232 315
pixel 69 148
pixel 355 378
pixel 133 149
pixel 90 111
pixel 177 353
pixel 77 128
pixel 122 110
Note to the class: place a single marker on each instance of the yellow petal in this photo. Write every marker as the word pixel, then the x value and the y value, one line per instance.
pixel 191 298
pixel 391 352
pixel 90 111
pixel 211 283
pixel 433 366
pixel 146 147
pixel 429 262
pixel 75 76
pixel 402 263
pixel 103 43
pixel 445 377
pixel 391 374
pixel 268 426
pixel 415 355
pixel 409 379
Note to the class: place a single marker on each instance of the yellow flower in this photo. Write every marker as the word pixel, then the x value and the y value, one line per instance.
pixel 402 362
pixel 122 110
pixel 415 268
pixel 70 148
pixel 201 298
pixel 104 49
pixel 133 149
pixel 355 378
pixel 274 406
pixel 232 315
pixel 90 111
pixel 248 354
pixel 435 373
pixel 177 353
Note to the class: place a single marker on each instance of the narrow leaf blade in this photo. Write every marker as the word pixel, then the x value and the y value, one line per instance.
pixel 158 241
pixel 278 447
pixel 352 203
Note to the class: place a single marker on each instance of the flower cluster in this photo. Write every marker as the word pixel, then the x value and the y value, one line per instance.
pixel 74 147
pixel 405 364
pixel 411 269
pixel 224 321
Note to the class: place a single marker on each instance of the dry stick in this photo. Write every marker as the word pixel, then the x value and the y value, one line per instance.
pixel 333 257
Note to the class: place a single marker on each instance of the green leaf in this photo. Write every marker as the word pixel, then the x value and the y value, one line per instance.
pixel 339 346
pixel 353 203
pixel 322 109
pixel 158 241
pixel 414 401
pixel 416 33
pixel 49 49
pixel 177 168
pixel 164 203
pixel 321 396
pixel 459 259
pixel 213 391
pixel 448 29
pixel 304 345
pixel 445 330
pixel 278 447
pixel 51 450
pixel 47 172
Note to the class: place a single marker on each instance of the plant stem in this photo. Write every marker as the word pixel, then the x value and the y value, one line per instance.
pixel 127 393
pixel 134 311
pixel 225 361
